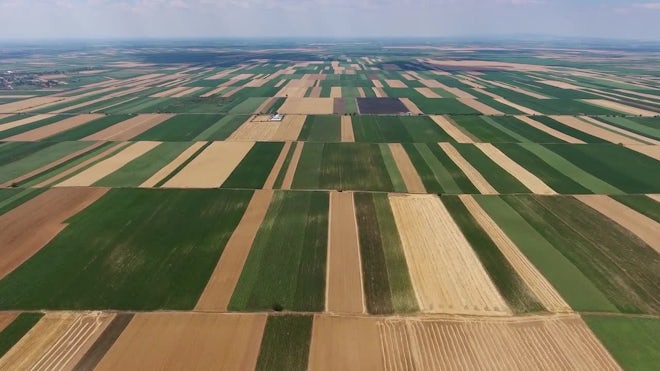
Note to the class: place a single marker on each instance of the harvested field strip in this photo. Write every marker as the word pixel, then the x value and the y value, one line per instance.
pixel 633 342
pixel 347 134
pixel 629 134
pixel 99 348
pixel 441 260
pixel 648 205
pixel 610 260
pixel 30 104
pixel 27 228
pixel 142 168
pixel 475 177
pixel 386 279
pixel 392 169
pixel 282 171
pixel 130 128
pixel 222 129
pixel 533 285
pixel 509 283
pixel 594 130
pixel 569 170
pixel 553 177
pixel 13 197
pixel 344 343
pixel 572 284
pixel 277 167
pixel 335 92
pixel 624 169
pixel 480 106
pixel 410 177
pixel 576 134
pixel 223 280
pixel 289 129
pixel 308 106
pixel 33 125
pixel 411 107
pixel 6 319
pixel 287 263
pixel 616 106
pixel 322 129
pixel 55 341
pixel 52 129
pixel 179 128
pixel 198 341
pixel 530 181
pixel 555 133
pixel 292 167
pixel 162 267
pixel 169 168
pixel 439 173
pixel 428 93
pixel 290 355
pixel 13 331
pixel 643 227
pixel 88 128
pixel 23 167
pixel 452 130
pixel 257 128
pixel 109 165
pixel 255 167
pixel 650 151
pixel 344 273
pixel 204 171
pixel 77 165
pixel 639 126
pixel 562 342
pixel 24 121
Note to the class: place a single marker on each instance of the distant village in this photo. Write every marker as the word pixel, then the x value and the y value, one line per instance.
pixel 10 80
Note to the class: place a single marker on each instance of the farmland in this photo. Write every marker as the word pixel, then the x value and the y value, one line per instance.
pixel 406 205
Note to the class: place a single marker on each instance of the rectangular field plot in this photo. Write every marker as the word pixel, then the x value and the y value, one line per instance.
pixel 287 263
pixel 397 129
pixel 318 128
pixel 180 128
pixel 437 170
pixel 380 106
pixel 132 249
pixel 334 166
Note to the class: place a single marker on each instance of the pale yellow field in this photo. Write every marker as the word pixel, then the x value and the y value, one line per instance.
pixel 473 174
pixel 307 106
pixel 452 130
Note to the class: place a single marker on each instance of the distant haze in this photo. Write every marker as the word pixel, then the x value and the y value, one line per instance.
pixel 40 19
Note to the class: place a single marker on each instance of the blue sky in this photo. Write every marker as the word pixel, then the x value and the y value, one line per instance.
pixel 331 18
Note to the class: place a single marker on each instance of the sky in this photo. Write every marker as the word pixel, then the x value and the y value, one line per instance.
pixel 82 19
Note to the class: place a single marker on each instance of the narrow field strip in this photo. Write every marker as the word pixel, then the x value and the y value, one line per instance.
pixel 480 106
pixel 457 134
pixel 562 342
pixel 89 359
pixel 191 341
pixel 72 170
pixel 25 121
pixel 411 107
pixel 475 177
pixel 648 230
pixel 347 134
pixel 277 167
pixel 25 229
pixel 344 343
pixel 594 130
pixel 223 280
pixel 344 271
pixel 555 133
pixel 206 170
pixel 293 165
pixel 408 172
pixel 169 168
pixel 30 104
pixel 100 170
pixel 446 273
pixel 620 107
pixel 648 150
pixel 624 132
pixel 536 282
pixel 130 128
pixel 530 180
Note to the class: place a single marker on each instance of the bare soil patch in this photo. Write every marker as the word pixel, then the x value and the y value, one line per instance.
pixel 200 341
pixel 345 343
pixel 344 276
pixel 25 229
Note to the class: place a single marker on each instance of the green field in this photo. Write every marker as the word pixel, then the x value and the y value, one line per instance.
pixel 285 344
pixel 16 329
pixel 321 129
pixel 286 265
pixel 169 244
pixel 397 129
pixel 182 128
pixel 255 167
